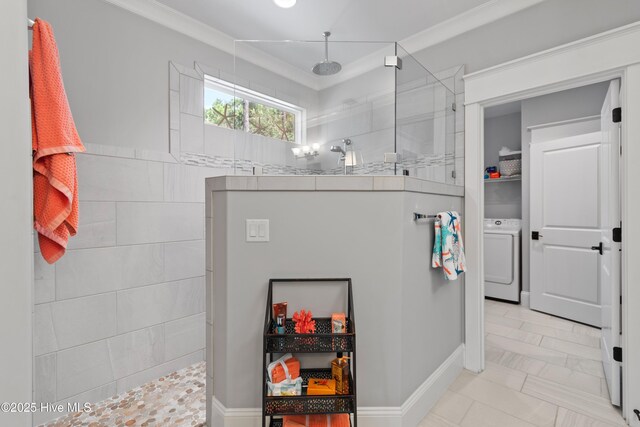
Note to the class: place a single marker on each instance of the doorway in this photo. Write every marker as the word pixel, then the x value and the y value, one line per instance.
pixel 565 199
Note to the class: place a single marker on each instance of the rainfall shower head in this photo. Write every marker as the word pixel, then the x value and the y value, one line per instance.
pixel 326 67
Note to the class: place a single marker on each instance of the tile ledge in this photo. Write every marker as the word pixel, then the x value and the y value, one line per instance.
pixel 338 183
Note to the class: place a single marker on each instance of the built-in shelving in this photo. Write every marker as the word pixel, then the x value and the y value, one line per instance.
pixel 504 179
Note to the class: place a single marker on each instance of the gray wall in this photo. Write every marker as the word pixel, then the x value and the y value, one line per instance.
pixel 502 199
pixel 16 250
pixel 546 25
pixel 409 318
pixel 570 104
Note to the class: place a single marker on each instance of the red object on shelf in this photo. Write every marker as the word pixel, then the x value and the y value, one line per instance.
pixel 494 175
pixel 304 322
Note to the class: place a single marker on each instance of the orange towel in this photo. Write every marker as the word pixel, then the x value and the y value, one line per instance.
pixel 55 139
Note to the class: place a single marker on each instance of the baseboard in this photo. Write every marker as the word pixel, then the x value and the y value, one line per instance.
pixel 524 299
pixel 234 417
pixel 412 411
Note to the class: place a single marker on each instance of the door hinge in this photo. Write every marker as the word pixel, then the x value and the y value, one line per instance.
pixel 616 115
pixel 454 107
pixel 617 234
pixel 617 354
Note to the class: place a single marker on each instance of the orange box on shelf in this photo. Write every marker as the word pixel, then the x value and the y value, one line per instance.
pixel 278 373
pixel 333 420
pixel 494 175
pixel 319 386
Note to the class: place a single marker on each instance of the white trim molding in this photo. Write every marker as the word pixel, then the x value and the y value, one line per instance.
pixel 471 19
pixel 412 411
pixel 606 56
pixel 524 299
pixel 483 14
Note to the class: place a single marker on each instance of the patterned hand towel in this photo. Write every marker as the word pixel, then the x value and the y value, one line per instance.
pixel 448 249
pixel 54 142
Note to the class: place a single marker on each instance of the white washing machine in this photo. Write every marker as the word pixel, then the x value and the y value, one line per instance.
pixel 502 275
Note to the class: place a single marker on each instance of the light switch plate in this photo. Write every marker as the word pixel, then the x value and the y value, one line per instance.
pixel 257 230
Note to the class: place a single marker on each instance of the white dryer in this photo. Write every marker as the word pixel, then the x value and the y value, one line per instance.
pixel 502 275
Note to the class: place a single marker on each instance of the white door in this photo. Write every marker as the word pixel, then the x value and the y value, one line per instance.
pixel 565 213
pixel 610 260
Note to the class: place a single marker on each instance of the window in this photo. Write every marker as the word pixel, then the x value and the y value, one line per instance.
pixel 235 107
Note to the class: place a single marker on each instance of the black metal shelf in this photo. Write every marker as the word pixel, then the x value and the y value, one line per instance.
pixel 323 341
pixel 311 404
pixel 277 422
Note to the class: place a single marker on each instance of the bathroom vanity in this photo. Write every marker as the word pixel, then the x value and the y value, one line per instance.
pixel 410 319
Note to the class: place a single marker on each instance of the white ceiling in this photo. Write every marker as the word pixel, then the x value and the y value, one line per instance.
pixel 416 24
pixel 381 20
pixel 348 20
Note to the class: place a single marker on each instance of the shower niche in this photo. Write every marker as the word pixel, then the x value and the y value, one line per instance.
pixel 331 107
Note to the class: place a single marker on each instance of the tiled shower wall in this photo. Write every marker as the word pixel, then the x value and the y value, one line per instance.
pixel 126 303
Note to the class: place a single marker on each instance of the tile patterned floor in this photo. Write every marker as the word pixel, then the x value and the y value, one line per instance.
pixel 177 399
pixel 541 371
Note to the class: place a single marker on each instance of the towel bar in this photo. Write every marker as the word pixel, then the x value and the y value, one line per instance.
pixel 417 216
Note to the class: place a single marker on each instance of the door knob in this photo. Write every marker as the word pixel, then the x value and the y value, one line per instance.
pixel 535 235
pixel 598 248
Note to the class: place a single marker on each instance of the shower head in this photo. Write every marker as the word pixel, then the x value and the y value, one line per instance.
pixel 326 67
pixel 337 149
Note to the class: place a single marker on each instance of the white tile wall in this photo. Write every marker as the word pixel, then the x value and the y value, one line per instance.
pixel 185 183
pixel 44 280
pixel 183 260
pixel 97 226
pixel 150 305
pixel 83 368
pixel 174 109
pixel 127 383
pixel 159 222
pixel 192 96
pixel 92 271
pixel 111 178
pixel 80 320
pixel 191 133
pixel 44 337
pixel 44 378
pixel 184 336
pixel 137 351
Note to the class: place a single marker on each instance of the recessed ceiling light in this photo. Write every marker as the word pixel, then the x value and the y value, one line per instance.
pixel 285 3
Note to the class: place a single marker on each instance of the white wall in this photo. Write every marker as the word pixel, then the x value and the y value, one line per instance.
pixel 502 199
pixel 570 104
pixel 16 251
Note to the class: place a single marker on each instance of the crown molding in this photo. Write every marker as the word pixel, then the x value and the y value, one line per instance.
pixel 483 14
pixel 168 17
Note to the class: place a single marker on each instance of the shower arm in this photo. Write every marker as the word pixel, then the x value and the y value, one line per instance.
pixel 326 47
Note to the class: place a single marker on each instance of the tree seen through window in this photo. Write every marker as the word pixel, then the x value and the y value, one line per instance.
pixel 232 112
